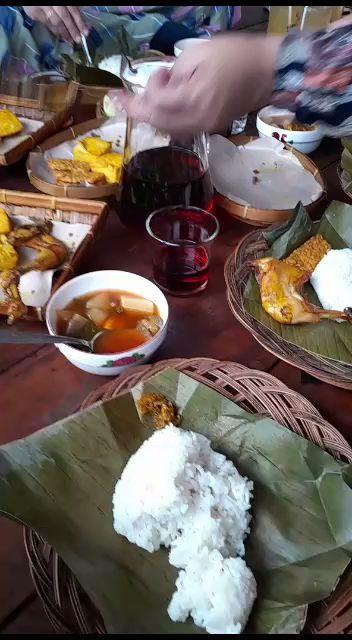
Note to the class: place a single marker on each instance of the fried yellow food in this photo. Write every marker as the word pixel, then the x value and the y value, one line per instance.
pixel 9 124
pixel 8 254
pixel 110 165
pixel 74 172
pixel 58 164
pixel 161 410
pixel 5 222
pixel 112 174
pixel 280 286
pixel 51 253
pixel 12 306
pixel 108 159
pixel 80 154
pixel 96 146
pixel 309 254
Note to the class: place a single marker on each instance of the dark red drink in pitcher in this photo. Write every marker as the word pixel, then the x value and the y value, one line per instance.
pixel 161 175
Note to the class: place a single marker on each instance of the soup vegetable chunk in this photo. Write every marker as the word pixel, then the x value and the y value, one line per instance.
pixel 127 320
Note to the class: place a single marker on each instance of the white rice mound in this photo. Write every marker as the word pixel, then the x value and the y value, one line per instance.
pixel 332 280
pixel 217 592
pixel 177 492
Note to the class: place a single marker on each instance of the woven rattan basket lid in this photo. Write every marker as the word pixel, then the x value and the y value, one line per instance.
pixel 68 607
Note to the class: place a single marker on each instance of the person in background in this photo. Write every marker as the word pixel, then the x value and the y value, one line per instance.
pixel 309 73
pixel 40 35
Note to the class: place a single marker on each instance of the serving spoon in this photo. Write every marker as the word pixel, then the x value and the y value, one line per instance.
pixel 22 337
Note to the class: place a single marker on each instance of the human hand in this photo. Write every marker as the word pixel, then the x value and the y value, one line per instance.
pixel 209 85
pixel 64 22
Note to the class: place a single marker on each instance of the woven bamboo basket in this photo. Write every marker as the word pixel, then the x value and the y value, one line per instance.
pixel 68 607
pixel 264 217
pixel 35 110
pixel 92 192
pixel 237 272
pixel 41 208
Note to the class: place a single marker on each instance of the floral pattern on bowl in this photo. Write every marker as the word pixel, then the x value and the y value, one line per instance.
pixel 123 362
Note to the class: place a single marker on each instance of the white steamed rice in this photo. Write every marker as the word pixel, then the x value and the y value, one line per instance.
pixel 177 492
pixel 332 280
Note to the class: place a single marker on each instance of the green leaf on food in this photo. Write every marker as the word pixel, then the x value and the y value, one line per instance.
pixel 328 339
pixel 60 482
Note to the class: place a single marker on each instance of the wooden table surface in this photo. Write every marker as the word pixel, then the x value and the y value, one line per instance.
pixel 38 386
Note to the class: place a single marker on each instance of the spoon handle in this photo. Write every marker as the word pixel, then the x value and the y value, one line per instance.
pixel 22 337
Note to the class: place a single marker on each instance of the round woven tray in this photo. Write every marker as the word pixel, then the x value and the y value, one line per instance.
pixel 237 272
pixel 64 601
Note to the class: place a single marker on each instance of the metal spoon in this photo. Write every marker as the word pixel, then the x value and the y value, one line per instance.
pixel 86 50
pixel 127 62
pixel 22 337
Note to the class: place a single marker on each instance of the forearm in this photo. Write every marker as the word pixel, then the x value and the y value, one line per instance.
pixel 313 78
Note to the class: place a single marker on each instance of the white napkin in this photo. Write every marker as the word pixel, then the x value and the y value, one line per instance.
pixel 35 286
pixel 260 174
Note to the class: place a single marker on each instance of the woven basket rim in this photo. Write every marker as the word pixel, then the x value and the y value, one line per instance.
pixel 236 272
pixel 56 586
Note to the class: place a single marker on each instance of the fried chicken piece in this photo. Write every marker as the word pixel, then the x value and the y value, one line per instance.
pixel 159 408
pixel 13 306
pixel 20 235
pixel 51 252
pixel 280 286
pixel 309 254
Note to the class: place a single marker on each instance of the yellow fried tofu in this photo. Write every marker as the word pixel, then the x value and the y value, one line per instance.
pixel 5 222
pixel 81 154
pixel 309 254
pixel 8 255
pixel 111 173
pixel 114 159
pixel 96 146
pixel 110 165
pixel 9 124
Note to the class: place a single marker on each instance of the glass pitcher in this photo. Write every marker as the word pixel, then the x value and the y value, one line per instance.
pixel 160 170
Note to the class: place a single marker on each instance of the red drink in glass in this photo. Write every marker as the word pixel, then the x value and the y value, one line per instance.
pixel 182 239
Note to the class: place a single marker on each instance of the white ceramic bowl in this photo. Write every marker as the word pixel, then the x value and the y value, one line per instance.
pixel 109 364
pixel 181 45
pixel 304 141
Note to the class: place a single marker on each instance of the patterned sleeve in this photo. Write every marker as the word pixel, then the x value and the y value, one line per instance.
pixel 314 79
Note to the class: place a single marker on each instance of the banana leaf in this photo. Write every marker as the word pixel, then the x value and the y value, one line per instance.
pixel 75 69
pixel 327 338
pixel 60 482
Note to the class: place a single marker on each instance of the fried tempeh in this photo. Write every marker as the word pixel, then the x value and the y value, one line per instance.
pixel 309 254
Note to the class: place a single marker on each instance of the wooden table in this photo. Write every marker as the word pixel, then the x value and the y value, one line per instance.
pixel 38 386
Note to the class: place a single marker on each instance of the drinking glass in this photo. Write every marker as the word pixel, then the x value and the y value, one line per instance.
pixel 160 170
pixel 181 242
